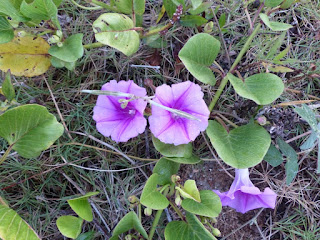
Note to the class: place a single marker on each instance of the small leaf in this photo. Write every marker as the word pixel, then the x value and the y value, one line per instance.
pixel 192 21
pixel 190 190
pixel 115 30
pixel 287 3
pixel 129 221
pixel 272 3
pixel 151 197
pixel 222 20
pixel 273 156
pixel 25 56
pixel 30 129
pixel 70 226
pixel 280 69
pixel 275 26
pixel 310 142
pixel 204 6
pixel 282 54
pixel 193 229
pixel 170 7
pixel 12 226
pixel 86 236
pixel 242 147
pixel 198 54
pixel 196 4
pixel 8 8
pixel 263 88
pixel 170 150
pixel 275 45
pixel 210 205
pixel 6 31
pixel 184 160
pixel 71 50
pixel 308 115
pixel 125 6
pixel 165 169
pixel 7 87
pixel 81 206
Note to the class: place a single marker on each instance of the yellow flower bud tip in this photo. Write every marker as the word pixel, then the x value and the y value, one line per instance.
pixel 216 232
pixel 59 33
pixel 133 199
pixel 59 44
pixel 175 178
pixel 147 211
pixel 128 237
pixel 178 200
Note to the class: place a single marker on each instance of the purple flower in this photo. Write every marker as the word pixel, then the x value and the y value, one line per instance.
pixel 113 120
pixel 172 128
pixel 244 196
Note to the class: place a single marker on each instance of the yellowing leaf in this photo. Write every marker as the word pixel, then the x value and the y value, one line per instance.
pixel 25 56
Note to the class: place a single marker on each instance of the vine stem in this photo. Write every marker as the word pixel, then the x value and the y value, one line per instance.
pixel 103 5
pixel 5 155
pixel 2 202
pixel 177 210
pixel 85 8
pixel 155 223
pixel 233 67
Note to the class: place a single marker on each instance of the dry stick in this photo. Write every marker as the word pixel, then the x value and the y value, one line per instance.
pixel 57 107
pixel 249 19
pixel 299 136
pixel 300 92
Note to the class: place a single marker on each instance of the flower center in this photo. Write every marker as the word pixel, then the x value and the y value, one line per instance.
pixel 132 112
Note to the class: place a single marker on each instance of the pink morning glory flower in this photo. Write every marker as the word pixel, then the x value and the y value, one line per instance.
pixel 118 122
pixel 173 128
pixel 244 196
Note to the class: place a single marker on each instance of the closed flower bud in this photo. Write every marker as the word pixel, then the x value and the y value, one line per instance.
pixel 59 34
pixel 53 39
pixel 178 200
pixel 216 232
pixel 175 178
pixel 133 199
pixel 59 44
pixel 128 237
pixel 147 211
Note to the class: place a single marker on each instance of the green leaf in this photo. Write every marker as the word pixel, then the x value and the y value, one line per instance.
pixel 115 30
pixel 275 45
pixel 242 147
pixel 58 63
pixel 287 3
pixel 151 197
pixel 222 20
pixel 263 88
pixel 7 7
pixel 282 54
pixel 198 54
pixel 170 7
pixel 190 190
pixel 7 87
pixel 13 227
pixel 196 4
pixel 129 221
pixel 86 236
pixel 81 206
pixel 204 6
pixel 307 114
pixel 310 142
pixel 184 160
pixel 170 150
pixel 192 21
pixel 273 156
pixel 6 31
pixel 210 205
pixel 272 3
pixel 165 169
pixel 71 50
pixel 29 129
pixel 193 229
pixel 69 226
pixel 292 166
pixel 125 6
pixel 275 26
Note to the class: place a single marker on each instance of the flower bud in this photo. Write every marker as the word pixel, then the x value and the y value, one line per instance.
pixel 175 178
pixel 216 232
pixel 59 33
pixel 59 44
pixel 262 120
pixel 128 237
pixel 133 199
pixel 53 39
pixel 147 211
pixel 21 33
pixel 178 200
pixel 208 27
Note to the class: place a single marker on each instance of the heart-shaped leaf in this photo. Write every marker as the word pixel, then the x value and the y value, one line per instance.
pixel 69 226
pixel 263 88
pixel 81 206
pixel 25 56
pixel 129 221
pixel 6 31
pixel 210 205
pixel 151 197
pixel 116 30
pixel 190 190
pixel 275 26
pixel 184 160
pixel 198 54
pixel 242 147
pixel 29 129
pixel 165 169
pixel 193 229
pixel 170 150
pixel 12 226
pixel 71 50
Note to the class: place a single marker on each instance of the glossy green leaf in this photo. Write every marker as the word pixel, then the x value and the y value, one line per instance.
pixel 210 205
pixel 71 50
pixel 165 169
pixel 196 3
pixel 272 3
pixel 193 229
pixel 292 166
pixel 13 227
pixel 192 21
pixel 273 156
pixel 29 129
pixel 151 197
pixel 129 221
pixel 115 30
pixel 263 88
pixel 7 7
pixel 242 147
pixel 190 190
pixel 184 160
pixel 204 6
pixel 81 206
pixel 129 6
pixel 7 87
pixel 275 26
pixel 6 31
pixel 86 236
pixel 198 54
pixel 70 226
pixel 170 150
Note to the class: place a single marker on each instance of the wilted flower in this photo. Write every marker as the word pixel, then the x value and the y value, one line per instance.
pixel 120 120
pixel 173 128
pixel 244 196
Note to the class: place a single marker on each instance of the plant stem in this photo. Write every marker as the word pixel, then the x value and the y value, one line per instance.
pixel 155 223
pixel 5 155
pixel 233 67
pixel 93 45
pixel 103 5
pixel 85 8
pixel 177 210
pixel 156 30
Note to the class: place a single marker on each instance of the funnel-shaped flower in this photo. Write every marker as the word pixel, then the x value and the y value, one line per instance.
pixel 244 196
pixel 173 128
pixel 113 120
